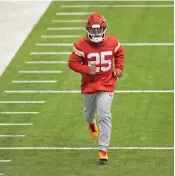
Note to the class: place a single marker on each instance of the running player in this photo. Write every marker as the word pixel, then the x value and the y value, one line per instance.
pixel 99 58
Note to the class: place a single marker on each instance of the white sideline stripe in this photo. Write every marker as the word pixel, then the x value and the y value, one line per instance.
pixel 46 62
pixel 12 135
pixel 40 71
pixel 68 21
pixel 5 161
pixel 50 53
pixel 65 28
pixel 77 91
pixel 85 148
pixel 22 102
pixel 33 81
pixel 19 113
pixel 123 44
pixel 60 36
pixel 72 13
pixel 118 6
pixel 16 124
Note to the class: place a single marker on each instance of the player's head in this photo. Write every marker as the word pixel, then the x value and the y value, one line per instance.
pixel 96 27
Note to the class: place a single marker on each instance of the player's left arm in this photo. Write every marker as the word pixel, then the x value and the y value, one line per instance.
pixel 118 60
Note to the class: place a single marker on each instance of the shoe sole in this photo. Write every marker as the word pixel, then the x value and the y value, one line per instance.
pixel 95 136
pixel 103 160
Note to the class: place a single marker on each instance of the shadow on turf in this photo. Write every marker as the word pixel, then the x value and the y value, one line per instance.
pixel 101 163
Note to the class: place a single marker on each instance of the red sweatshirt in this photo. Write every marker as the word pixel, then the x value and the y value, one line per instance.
pixel 106 56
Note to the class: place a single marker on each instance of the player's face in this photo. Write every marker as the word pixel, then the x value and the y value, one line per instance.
pixel 96 35
pixel 96 31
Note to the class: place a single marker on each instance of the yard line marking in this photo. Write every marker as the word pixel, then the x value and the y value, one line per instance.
pixel 115 0
pixel 119 6
pixel 33 81
pixel 65 28
pixel 68 21
pixel 1 174
pixel 60 36
pixel 22 102
pixel 16 124
pixel 19 113
pixel 72 13
pixel 46 62
pixel 5 161
pixel 123 44
pixel 50 53
pixel 12 135
pixel 147 44
pixel 54 44
pixel 40 71
pixel 78 91
pixel 85 148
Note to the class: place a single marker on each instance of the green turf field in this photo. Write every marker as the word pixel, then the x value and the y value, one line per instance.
pixel 138 119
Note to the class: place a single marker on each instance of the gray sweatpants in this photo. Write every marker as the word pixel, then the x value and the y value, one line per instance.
pixel 100 103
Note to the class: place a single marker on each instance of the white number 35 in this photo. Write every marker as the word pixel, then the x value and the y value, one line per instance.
pixel 100 59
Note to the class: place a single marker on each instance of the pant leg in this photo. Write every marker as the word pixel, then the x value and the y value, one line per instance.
pixel 104 101
pixel 89 107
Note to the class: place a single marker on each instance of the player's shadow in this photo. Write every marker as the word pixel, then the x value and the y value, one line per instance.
pixel 101 163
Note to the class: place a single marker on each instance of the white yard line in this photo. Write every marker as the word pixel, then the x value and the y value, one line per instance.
pixel 123 44
pixel 17 113
pixel 11 135
pixel 119 6
pixel 78 91
pixel 71 13
pixel 1 174
pixel 33 81
pixel 46 62
pixel 60 36
pixel 54 44
pixel 16 124
pixel 68 21
pixel 22 102
pixel 115 0
pixel 66 29
pixel 85 148
pixel 5 161
pixel 50 53
pixel 40 71
pixel 147 44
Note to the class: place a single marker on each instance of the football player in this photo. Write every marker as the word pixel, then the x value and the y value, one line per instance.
pixel 99 58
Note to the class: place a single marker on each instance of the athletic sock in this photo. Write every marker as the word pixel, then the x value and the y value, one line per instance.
pixel 103 148
pixel 92 122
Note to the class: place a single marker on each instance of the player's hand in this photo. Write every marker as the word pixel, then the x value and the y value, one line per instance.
pixel 118 73
pixel 91 69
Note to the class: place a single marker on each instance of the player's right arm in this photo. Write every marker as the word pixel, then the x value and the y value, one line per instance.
pixel 75 62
